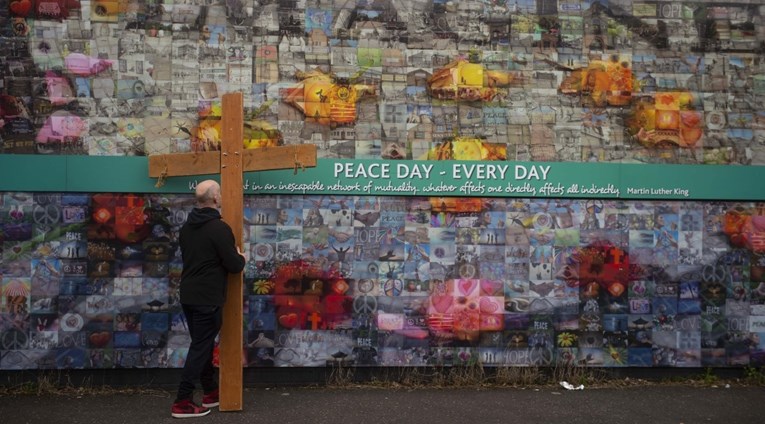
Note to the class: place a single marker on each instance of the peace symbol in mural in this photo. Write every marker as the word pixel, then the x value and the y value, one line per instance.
pixel 714 273
pixel 365 304
pixel 46 214
pixel 14 339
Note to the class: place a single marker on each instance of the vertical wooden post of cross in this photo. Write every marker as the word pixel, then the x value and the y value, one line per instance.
pixel 231 162
pixel 232 210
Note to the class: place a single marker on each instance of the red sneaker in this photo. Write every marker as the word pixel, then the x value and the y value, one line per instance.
pixel 211 399
pixel 188 409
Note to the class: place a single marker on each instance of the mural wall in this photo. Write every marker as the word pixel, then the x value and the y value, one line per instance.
pixel 540 80
pixel 89 280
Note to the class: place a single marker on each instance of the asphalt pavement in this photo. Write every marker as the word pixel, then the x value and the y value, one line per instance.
pixel 650 404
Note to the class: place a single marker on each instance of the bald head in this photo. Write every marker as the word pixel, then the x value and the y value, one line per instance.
pixel 208 194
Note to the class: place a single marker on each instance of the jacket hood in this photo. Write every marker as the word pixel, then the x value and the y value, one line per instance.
pixel 200 216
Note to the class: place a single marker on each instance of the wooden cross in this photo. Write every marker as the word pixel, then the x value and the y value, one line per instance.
pixel 230 163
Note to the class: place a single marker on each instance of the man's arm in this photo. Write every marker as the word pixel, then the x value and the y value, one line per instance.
pixel 231 256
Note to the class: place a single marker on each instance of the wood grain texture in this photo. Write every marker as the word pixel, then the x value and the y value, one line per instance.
pixel 205 163
pixel 232 207
pixel 176 164
pixel 281 157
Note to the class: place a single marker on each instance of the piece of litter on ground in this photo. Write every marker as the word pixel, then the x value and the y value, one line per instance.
pixel 285 394
pixel 568 386
pixel 556 393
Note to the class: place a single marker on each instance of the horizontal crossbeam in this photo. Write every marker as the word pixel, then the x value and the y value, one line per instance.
pixel 261 159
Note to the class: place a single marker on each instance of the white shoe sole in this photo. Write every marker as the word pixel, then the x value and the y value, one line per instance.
pixel 201 414
pixel 211 405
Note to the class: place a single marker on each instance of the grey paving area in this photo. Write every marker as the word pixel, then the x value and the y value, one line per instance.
pixel 652 404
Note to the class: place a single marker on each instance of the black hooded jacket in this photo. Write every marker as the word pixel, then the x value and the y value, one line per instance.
pixel 209 254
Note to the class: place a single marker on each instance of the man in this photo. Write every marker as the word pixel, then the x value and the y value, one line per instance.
pixel 209 254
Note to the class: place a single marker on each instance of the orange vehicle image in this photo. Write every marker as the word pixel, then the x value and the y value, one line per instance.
pixel 601 83
pixel 658 120
pixel 666 119
pixel 326 99
pixel 467 81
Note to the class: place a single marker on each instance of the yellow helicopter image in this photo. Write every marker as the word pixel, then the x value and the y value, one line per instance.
pixel 466 148
pixel 327 99
pixel 260 132
pixel 205 136
pixel 466 80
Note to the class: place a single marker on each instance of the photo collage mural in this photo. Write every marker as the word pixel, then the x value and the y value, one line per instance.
pixel 90 280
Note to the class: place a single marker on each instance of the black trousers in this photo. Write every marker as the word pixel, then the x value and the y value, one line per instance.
pixel 204 323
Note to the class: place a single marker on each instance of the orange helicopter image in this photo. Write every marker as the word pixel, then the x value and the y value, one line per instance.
pixel 666 119
pixel 601 83
pixel 327 99
pixel 661 120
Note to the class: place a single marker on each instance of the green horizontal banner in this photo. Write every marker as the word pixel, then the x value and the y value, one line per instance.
pixel 404 178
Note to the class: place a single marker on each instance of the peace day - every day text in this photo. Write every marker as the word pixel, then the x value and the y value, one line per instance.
pixel 459 171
